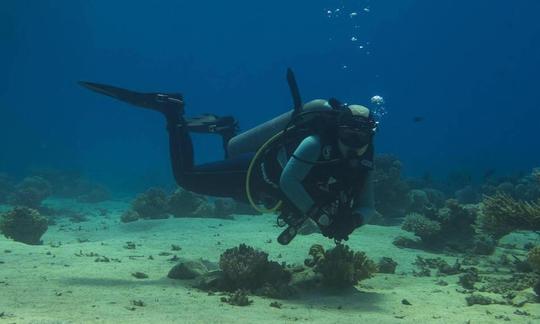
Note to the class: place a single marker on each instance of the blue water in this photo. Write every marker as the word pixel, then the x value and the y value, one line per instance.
pixel 469 68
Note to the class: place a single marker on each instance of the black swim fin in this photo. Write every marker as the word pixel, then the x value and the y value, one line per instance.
pixel 295 92
pixel 166 103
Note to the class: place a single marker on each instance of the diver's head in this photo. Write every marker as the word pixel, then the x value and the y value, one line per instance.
pixel 355 130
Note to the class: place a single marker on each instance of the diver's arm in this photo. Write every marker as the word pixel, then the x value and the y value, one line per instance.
pixel 296 170
pixel 365 201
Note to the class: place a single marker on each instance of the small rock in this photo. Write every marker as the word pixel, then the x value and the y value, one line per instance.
pixel 476 299
pixel 387 265
pixel 212 280
pixel 138 303
pixel 442 283
pixel 130 246
pixel 187 270
pixel 522 313
pixel 139 275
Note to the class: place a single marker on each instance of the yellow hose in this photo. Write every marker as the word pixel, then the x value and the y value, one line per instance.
pixel 248 177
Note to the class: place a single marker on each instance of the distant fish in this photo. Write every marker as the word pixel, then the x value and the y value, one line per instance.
pixel 418 119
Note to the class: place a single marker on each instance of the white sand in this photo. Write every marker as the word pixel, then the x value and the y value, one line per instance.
pixel 45 284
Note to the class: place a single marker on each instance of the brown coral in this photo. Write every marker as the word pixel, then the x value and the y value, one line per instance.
pixel 23 224
pixel 341 267
pixel 421 226
pixel 502 214
pixel 246 268
pixel 151 204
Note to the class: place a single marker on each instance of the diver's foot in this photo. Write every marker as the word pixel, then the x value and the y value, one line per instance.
pixel 210 124
pixel 290 232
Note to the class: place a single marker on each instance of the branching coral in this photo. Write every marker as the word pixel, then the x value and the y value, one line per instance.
pixel 421 226
pixel 457 220
pixel 23 224
pixel 341 267
pixel 451 226
pixel 390 191
pixel 502 214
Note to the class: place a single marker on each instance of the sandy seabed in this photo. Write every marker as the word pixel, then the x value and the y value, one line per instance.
pixel 60 281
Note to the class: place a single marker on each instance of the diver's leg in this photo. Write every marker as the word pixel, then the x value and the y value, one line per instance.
pixel 180 148
pixel 225 178
pixel 226 126
pixel 221 179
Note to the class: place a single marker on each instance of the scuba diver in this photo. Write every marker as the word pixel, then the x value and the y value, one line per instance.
pixel 314 162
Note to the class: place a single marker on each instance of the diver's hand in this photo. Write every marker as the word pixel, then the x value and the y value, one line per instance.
pixel 321 216
pixel 291 218
pixel 343 226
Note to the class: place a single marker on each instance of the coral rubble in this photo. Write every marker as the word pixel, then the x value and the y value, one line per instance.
pixel 533 258
pixel 23 224
pixel 31 192
pixel 95 193
pixel 7 186
pixel 72 185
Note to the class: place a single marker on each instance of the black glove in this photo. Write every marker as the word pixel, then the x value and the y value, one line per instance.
pixel 342 226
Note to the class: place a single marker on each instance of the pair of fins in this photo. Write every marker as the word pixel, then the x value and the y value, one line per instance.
pixel 166 103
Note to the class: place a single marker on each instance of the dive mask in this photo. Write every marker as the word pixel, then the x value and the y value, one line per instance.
pixel 355 131
pixel 354 137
